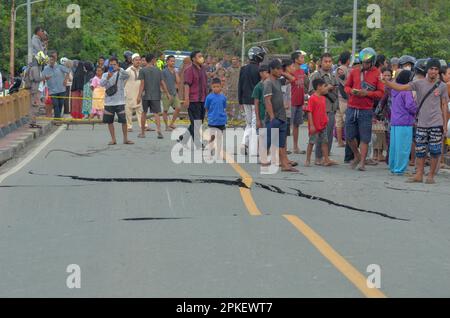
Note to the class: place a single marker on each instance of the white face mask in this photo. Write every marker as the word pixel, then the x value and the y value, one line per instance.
pixel 408 68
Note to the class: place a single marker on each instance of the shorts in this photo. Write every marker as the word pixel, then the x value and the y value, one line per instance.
pixel 174 103
pixel 358 122
pixel 282 131
pixel 429 139
pixel 319 138
pixel 222 127
pixel 109 114
pixel 297 116
pixel 153 105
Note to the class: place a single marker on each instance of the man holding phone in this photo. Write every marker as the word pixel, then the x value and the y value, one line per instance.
pixel 114 82
pixel 363 87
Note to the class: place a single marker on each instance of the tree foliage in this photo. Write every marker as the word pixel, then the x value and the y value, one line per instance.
pixel 416 27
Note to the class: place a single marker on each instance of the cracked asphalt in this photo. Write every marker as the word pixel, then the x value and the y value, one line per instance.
pixel 139 225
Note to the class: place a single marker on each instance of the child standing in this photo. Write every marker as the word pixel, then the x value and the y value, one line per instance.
pixel 260 111
pixel 98 95
pixel 318 121
pixel 215 106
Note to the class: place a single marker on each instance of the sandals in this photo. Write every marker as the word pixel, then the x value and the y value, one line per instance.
pixel 413 180
pixel 112 143
pixel 290 169
pixel 128 142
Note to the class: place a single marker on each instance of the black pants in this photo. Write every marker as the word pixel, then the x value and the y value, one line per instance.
pixel 196 112
pixel 58 104
pixel 66 101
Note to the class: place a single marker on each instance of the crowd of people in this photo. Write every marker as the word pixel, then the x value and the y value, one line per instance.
pixel 381 110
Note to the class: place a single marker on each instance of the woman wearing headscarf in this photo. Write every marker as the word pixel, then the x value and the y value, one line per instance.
pixel 87 90
pixel 77 90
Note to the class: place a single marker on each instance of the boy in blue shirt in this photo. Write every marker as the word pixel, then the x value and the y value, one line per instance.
pixel 215 106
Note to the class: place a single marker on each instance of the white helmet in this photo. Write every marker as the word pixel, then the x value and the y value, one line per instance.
pixel 301 52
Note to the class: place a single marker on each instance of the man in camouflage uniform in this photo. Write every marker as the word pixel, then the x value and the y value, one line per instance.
pixel 232 81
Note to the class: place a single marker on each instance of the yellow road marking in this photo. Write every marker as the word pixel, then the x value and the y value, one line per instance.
pixel 246 193
pixel 339 262
pixel 347 269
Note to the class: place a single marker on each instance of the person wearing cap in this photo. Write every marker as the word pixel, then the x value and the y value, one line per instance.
pixel 432 99
pixel 132 85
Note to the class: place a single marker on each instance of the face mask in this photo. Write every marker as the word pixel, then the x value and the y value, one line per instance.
pixel 408 68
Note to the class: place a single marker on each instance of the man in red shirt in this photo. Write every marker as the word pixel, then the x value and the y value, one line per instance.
pixel 363 86
pixel 318 121
pixel 298 96
pixel 195 91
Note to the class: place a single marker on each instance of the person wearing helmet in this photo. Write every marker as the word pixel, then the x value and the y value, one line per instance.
pixel 248 79
pixel 160 63
pixel 432 100
pixel 128 60
pixel 406 62
pixel 363 87
pixel 394 66
pixel 420 68
pixel 34 76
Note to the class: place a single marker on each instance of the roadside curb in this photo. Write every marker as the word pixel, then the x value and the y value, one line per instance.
pixel 20 139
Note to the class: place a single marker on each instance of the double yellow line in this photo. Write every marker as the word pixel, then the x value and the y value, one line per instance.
pixel 338 261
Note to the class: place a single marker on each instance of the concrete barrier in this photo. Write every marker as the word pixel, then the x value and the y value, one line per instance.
pixel 14 111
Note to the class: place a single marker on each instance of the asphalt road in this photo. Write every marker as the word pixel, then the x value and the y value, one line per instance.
pixel 218 230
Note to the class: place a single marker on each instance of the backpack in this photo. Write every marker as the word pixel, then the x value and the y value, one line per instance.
pixel 27 78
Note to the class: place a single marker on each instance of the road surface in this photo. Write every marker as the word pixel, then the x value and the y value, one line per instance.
pixel 138 225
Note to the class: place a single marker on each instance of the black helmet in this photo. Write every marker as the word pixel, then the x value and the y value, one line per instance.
pixel 256 54
pixel 405 59
pixel 127 54
pixel 421 66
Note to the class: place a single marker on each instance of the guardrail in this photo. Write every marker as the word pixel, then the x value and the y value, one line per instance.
pixel 14 109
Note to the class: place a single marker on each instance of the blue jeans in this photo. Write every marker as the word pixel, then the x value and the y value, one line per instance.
pixel 58 104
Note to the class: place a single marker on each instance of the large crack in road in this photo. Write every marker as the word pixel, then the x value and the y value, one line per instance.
pixel 237 182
